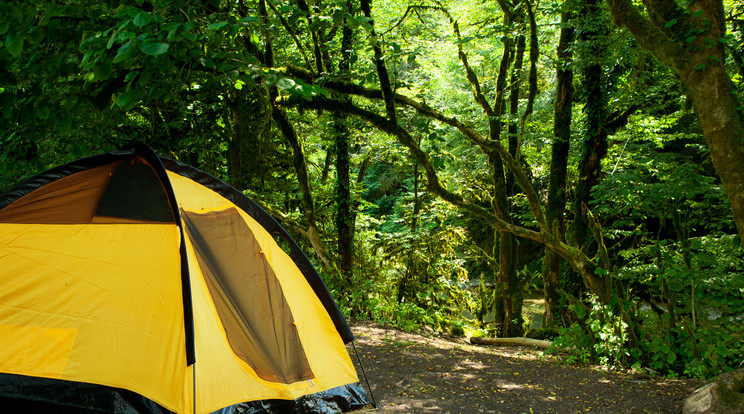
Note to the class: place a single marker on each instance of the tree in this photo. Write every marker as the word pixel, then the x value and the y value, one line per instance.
pixel 556 203
pixel 690 40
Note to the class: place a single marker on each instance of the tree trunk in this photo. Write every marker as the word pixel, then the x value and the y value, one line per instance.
pixel 595 139
pixel 556 205
pixel 344 225
pixel 300 167
pixel 344 215
pixel 699 62
pixel 508 289
pixel 251 122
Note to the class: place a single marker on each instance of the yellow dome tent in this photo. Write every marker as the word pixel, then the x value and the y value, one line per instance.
pixel 134 283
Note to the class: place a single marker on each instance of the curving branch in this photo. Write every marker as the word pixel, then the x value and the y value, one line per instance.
pixel 292 33
pixel 434 185
pixel 651 36
pixel 382 72
pixel 486 145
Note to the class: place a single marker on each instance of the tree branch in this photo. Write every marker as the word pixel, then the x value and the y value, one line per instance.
pixel 433 183
pixel 625 14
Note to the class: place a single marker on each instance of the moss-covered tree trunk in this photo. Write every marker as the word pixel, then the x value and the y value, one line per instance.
pixel 556 206
pixel 593 26
pixel 508 300
pixel 251 128
pixel 344 215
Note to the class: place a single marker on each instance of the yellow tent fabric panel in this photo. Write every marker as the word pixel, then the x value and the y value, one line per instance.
pixel 194 196
pixel 325 350
pixel 249 299
pixel 95 303
pixel 222 378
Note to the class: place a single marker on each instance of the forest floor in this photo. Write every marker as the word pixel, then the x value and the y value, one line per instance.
pixel 412 373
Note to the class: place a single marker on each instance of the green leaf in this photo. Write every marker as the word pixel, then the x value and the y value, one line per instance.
pixel 155 49
pixel 579 311
pixel 698 13
pixel 112 39
pixel 216 26
pixel 144 79
pixel 131 75
pixel 4 28
pixel 700 66
pixel 65 126
pixel 43 112
pixel 670 23
pixel 102 71
pixel 690 38
pixel 285 83
pixel 365 22
pixel 128 99
pixel 14 43
pixel 124 36
pixel 169 27
pixel 125 52
pixel 671 357
pixel 142 19
pixel 86 56
pixel 124 24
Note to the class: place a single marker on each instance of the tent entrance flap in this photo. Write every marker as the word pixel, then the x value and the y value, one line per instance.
pixel 247 295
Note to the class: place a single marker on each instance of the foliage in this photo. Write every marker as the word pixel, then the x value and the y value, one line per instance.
pixel 192 78
pixel 600 334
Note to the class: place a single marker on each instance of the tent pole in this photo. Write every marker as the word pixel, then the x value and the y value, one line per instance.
pixel 374 403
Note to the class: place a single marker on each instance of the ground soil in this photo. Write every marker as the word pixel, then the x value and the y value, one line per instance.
pixel 431 373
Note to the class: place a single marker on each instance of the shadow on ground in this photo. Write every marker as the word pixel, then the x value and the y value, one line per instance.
pixel 418 374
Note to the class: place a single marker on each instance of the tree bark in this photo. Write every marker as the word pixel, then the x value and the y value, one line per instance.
pixel 595 139
pixel 300 166
pixel 344 216
pixel 251 122
pixel 688 42
pixel 556 205
pixel 509 300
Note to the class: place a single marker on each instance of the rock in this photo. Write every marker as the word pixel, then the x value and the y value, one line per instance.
pixel 725 395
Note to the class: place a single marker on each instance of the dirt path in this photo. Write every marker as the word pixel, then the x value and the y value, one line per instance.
pixel 418 374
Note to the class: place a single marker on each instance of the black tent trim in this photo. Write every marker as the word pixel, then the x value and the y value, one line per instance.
pixel 275 229
pixel 336 400
pixel 188 308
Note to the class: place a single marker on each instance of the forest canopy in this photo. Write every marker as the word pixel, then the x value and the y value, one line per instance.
pixel 440 162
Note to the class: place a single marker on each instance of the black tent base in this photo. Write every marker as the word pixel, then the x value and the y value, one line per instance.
pixel 337 400
pixel 24 394
pixel 30 395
